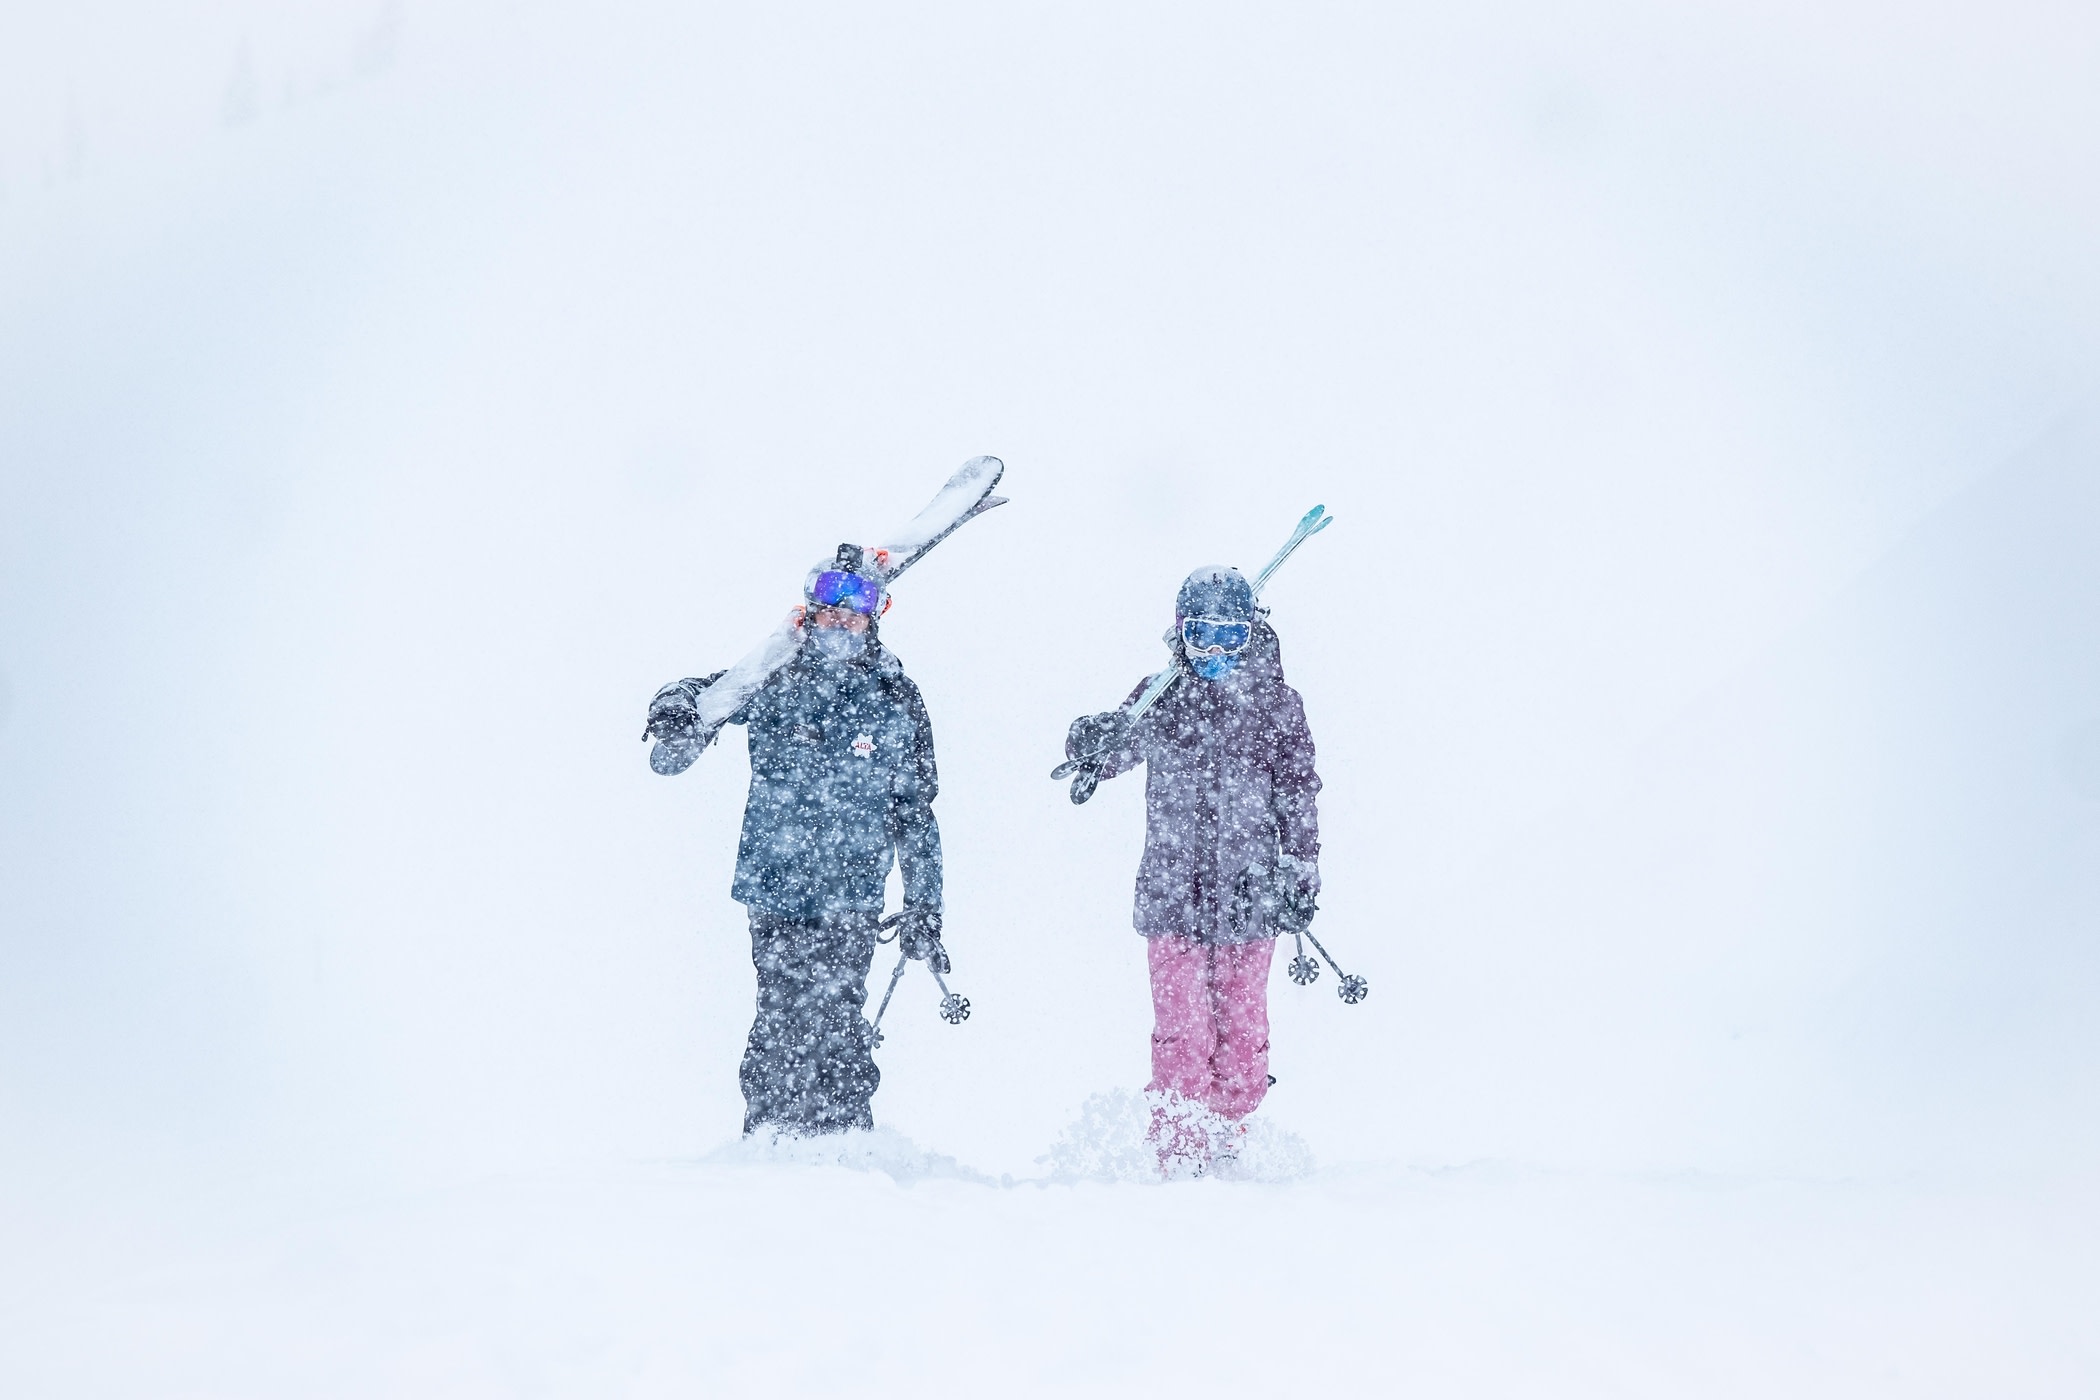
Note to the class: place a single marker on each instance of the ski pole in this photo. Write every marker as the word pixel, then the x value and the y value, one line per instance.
pixel 1087 766
pixel 954 1009
pixel 1352 990
pixel 895 978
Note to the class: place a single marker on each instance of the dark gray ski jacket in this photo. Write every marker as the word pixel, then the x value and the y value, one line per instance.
pixel 842 783
pixel 1229 787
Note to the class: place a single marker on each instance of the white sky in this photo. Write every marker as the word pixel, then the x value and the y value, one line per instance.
pixel 392 396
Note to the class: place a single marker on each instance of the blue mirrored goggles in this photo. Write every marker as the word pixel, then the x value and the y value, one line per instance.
pixel 1213 633
pixel 836 588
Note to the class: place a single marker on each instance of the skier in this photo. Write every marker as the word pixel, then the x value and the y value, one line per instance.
pixel 1232 848
pixel 842 783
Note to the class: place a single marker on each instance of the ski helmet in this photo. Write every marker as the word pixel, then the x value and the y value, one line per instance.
pixel 850 581
pixel 1215 591
pixel 1214 616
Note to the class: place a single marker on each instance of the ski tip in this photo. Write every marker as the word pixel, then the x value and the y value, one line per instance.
pixel 980 508
pixel 1325 521
pixel 976 469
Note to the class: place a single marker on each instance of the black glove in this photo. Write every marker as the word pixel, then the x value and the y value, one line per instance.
pixel 1092 734
pixel 1297 894
pixel 919 936
pixel 1272 899
pixel 672 713
pixel 674 722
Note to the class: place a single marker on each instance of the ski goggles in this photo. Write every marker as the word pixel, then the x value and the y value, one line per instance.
pixel 836 588
pixel 1215 634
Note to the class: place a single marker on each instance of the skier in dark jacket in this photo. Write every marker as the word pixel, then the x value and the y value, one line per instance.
pixel 1232 850
pixel 842 783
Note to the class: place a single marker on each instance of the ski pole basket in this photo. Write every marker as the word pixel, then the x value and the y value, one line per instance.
pixel 954 1009
pixel 1303 970
pixel 1353 990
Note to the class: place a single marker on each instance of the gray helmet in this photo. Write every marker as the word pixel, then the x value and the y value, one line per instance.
pixel 1215 591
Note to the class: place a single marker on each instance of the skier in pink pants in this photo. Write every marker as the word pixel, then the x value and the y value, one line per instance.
pixel 1232 849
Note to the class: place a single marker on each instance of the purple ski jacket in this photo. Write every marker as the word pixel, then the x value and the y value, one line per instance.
pixel 1229 786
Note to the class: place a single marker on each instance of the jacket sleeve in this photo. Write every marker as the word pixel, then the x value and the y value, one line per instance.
pixel 1294 782
pixel 912 826
pixel 743 713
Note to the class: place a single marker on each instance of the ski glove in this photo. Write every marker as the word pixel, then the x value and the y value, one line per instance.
pixel 919 936
pixel 1268 900
pixel 1297 893
pixel 674 722
pixel 1097 734
pixel 672 713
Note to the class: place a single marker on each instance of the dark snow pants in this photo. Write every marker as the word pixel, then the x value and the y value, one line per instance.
pixel 807 1066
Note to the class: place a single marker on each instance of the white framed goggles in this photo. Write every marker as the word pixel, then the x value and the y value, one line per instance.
pixel 1213 634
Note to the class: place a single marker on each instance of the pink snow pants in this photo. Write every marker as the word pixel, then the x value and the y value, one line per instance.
pixel 1210 1021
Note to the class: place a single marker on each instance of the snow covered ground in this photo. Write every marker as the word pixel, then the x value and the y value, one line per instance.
pixel 1705 668
pixel 903 1274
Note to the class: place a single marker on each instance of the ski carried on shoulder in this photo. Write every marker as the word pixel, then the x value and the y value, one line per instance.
pixel 1085 770
pixel 963 497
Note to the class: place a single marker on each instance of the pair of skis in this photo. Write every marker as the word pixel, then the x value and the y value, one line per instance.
pixel 1085 770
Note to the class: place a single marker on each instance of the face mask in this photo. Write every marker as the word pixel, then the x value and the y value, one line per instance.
pixel 838 644
pixel 1211 667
